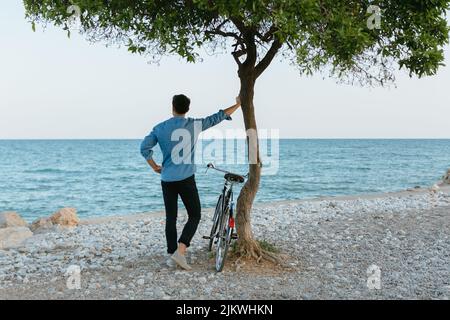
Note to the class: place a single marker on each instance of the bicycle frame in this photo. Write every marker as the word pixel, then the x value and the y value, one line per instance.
pixel 228 192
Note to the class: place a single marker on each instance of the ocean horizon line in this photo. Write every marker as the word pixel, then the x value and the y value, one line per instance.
pixel 234 138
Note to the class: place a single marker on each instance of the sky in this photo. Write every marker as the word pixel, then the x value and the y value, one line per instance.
pixel 53 87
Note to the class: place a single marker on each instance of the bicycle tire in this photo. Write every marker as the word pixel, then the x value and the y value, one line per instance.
pixel 217 214
pixel 224 240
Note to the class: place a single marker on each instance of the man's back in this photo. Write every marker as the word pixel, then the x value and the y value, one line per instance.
pixel 177 138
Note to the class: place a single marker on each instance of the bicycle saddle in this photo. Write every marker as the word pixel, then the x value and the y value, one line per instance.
pixel 234 177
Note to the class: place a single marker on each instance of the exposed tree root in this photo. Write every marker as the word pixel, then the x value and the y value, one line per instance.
pixel 251 250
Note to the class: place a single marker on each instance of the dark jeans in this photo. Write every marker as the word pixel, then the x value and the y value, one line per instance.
pixel 187 189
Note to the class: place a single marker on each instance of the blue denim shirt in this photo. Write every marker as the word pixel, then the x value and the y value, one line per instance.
pixel 177 138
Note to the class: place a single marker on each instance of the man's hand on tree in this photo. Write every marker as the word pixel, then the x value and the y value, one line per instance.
pixel 238 100
pixel 229 111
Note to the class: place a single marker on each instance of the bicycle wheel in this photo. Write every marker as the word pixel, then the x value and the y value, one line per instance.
pixel 224 240
pixel 217 214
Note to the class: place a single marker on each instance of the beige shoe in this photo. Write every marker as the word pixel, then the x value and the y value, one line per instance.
pixel 170 262
pixel 181 260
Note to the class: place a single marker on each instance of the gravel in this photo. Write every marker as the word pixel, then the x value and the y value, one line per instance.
pixel 330 245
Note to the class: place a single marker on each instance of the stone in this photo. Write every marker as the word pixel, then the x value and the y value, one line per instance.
pixel 434 188
pixel 10 219
pixel 66 217
pixel 446 178
pixel 14 237
pixel 41 225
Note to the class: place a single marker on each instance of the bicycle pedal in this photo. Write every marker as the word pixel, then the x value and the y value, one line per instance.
pixel 234 236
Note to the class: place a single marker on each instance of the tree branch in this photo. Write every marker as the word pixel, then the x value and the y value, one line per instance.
pixel 265 62
pixel 224 34
pixel 236 55
pixel 268 36
pixel 239 24
pixel 217 30
pixel 248 36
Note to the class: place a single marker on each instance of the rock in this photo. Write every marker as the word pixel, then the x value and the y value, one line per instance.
pixel 10 219
pixel 184 292
pixel 446 178
pixel 41 225
pixel 14 237
pixel 116 268
pixel 434 188
pixel 66 217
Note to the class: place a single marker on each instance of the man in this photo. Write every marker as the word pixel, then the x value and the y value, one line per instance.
pixel 177 138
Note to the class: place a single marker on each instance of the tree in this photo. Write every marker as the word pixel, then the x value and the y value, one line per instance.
pixel 342 37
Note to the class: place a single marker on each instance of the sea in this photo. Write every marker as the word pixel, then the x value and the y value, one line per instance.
pixel 103 178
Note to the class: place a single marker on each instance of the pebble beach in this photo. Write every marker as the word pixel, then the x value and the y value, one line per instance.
pixel 332 247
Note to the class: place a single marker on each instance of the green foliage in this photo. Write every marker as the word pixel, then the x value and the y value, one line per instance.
pixel 267 246
pixel 315 35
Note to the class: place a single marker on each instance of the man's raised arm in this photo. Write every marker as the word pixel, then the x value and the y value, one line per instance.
pixel 229 111
pixel 218 117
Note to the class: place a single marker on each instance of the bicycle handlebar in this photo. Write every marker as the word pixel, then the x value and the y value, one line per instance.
pixel 211 166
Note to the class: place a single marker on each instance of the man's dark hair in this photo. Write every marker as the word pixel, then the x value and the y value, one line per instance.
pixel 181 103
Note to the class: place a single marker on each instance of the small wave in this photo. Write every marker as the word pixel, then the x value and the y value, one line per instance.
pixel 51 170
pixel 363 168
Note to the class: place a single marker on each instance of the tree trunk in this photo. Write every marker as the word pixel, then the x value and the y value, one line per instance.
pixel 247 245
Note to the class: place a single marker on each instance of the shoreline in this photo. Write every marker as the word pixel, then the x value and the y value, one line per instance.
pixel 365 196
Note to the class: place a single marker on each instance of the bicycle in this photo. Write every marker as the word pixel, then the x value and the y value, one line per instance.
pixel 223 228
